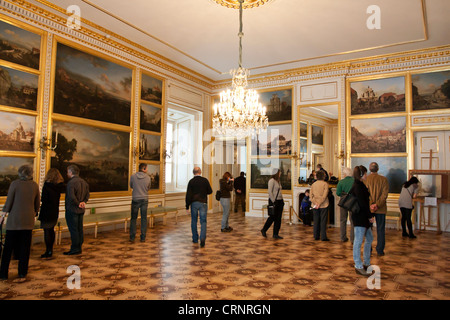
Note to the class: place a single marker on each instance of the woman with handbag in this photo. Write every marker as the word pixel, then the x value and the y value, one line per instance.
pixel 405 203
pixel 319 204
pixel 275 208
pixel 362 221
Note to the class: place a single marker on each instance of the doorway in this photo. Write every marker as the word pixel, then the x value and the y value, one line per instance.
pixel 432 150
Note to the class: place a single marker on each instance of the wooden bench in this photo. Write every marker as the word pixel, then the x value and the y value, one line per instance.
pixel 152 213
pixel 95 220
pixel 394 216
pixel 106 218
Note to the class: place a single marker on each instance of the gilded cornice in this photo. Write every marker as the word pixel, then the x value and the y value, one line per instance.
pixel 146 56
pixel 399 61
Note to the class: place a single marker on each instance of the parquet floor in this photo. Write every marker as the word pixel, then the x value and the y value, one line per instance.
pixel 240 265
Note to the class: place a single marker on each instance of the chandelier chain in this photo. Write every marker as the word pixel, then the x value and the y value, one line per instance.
pixel 239 114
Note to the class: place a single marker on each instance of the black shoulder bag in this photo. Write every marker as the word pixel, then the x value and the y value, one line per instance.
pixel 349 202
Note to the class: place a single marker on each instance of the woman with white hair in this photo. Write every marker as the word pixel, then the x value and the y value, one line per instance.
pixel 22 204
pixel 343 187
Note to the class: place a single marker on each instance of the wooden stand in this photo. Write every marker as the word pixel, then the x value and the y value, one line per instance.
pixel 424 223
pixel 443 196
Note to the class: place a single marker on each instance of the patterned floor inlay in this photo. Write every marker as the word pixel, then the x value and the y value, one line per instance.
pixel 240 265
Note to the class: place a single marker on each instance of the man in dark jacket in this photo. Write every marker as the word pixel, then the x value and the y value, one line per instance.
pixel 240 185
pixel 77 194
pixel 197 198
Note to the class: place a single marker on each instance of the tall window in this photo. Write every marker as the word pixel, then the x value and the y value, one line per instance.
pixel 183 146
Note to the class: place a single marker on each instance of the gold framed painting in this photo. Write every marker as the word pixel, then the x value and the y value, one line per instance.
pixel 91 86
pixel 20 44
pixel 102 154
pixel 377 95
pixel 430 90
pixel 278 103
pixel 152 89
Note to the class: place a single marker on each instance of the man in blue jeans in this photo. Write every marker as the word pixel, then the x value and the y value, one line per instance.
pixel 77 194
pixel 378 186
pixel 197 193
pixel 140 182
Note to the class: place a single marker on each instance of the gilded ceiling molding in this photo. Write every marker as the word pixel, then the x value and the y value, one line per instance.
pixel 117 36
pixel 400 61
pixel 58 24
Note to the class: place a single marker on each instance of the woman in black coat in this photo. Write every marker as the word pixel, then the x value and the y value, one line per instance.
pixel 49 214
pixel 362 221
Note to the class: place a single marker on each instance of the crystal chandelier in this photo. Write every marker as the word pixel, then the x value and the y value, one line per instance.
pixel 239 114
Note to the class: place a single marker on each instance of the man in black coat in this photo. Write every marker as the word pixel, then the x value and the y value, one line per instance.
pixel 197 193
pixel 77 194
pixel 240 185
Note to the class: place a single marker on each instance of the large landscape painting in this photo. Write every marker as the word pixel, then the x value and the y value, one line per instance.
pixel 102 155
pixel 8 171
pixel 19 46
pixel 263 169
pixel 382 135
pixel 17 132
pixel 18 89
pixel 90 87
pixel 393 168
pixel 378 96
pixel 431 90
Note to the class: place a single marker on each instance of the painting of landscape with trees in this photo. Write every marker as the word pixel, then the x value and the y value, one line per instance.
pixel 102 155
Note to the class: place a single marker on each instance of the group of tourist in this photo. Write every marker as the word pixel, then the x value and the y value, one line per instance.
pixel 371 191
pixel 24 203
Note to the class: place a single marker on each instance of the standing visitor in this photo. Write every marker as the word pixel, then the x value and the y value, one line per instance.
pixel 405 203
pixel 226 186
pixel 342 188
pixel 379 189
pixel 362 221
pixel 140 182
pixel 275 199
pixel 49 214
pixel 197 198
pixel 77 194
pixel 22 206
pixel 319 204
pixel 240 185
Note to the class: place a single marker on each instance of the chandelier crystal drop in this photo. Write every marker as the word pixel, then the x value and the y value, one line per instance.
pixel 239 113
